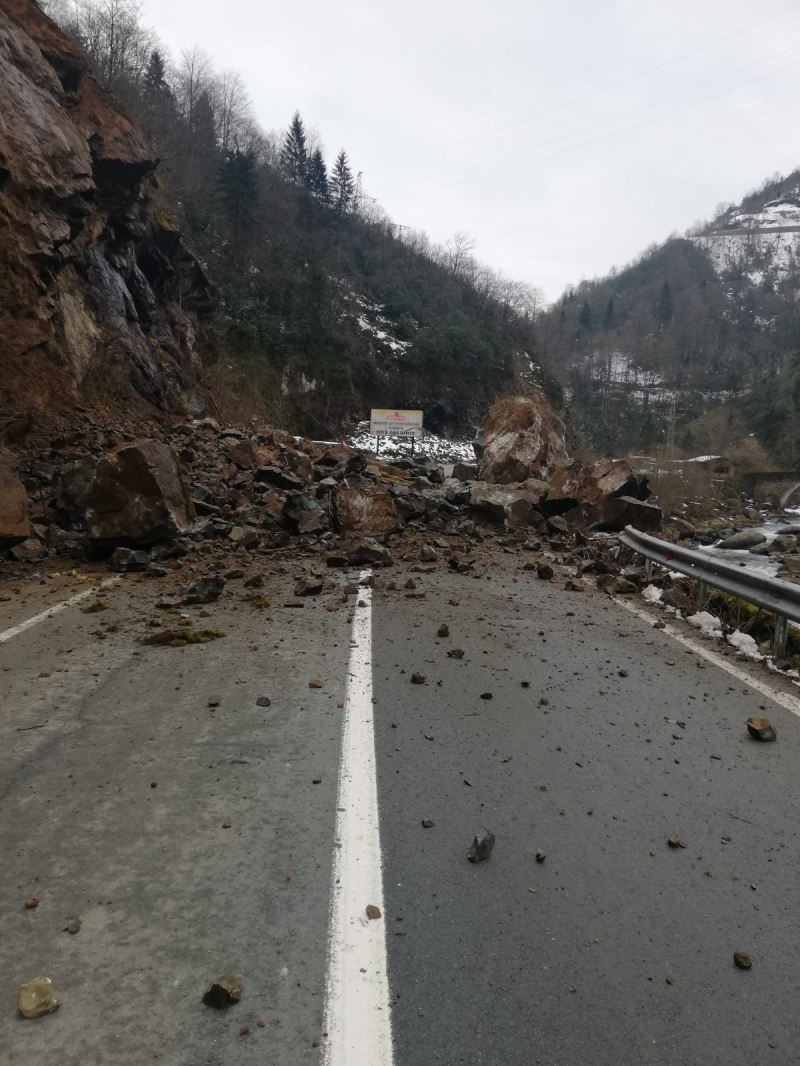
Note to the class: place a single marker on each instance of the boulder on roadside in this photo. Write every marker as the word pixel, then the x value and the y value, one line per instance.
pixel 614 513
pixel 465 471
pixel 368 551
pixel 521 437
pixel 364 509
pixel 592 483
pixel 31 550
pixel 511 503
pixel 15 525
pixel 137 496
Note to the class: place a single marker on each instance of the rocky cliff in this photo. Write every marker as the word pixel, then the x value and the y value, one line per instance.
pixel 100 301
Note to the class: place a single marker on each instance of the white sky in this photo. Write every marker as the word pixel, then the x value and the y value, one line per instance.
pixel 418 92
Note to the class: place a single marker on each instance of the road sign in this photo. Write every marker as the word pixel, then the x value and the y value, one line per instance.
pixel 387 423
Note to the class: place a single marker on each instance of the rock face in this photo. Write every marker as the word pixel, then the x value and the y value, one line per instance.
pixel 15 526
pixel 97 292
pixel 521 437
pixel 137 496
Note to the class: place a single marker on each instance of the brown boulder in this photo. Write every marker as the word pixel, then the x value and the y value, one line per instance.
pixel 245 455
pixel 590 484
pixel 137 496
pixel 364 510
pixel 15 525
pixel 612 514
pixel 511 503
pixel 521 437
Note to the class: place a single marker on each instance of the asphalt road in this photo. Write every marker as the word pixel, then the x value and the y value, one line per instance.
pixel 194 839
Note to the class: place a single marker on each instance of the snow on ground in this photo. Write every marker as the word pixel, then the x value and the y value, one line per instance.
pixel 651 594
pixel 370 319
pixel 785 211
pixel 441 449
pixel 707 623
pixel 745 644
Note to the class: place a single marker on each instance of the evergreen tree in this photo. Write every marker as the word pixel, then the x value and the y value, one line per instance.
pixel 318 177
pixel 238 192
pixel 342 185
pixel 294 154
pixel 664 308
pixel 155 81
pixel 585 316
pixel 608 317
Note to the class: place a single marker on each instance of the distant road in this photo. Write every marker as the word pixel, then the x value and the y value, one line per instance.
pixel 192 830
pixel 752 232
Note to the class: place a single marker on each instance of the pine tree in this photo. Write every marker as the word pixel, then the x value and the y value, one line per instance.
pixel 585 316
pixel 294 154
pixel 318 177
pixel 664 308
pixel 238 192
pixel 155 81
pixel 608 317
pixel 342 185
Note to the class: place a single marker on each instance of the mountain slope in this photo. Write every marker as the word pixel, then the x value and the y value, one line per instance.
pixel 709 319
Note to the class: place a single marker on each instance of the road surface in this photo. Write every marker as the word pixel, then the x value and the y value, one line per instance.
pixel 195 832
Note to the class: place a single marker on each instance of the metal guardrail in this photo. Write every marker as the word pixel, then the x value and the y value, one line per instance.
pixel 774 594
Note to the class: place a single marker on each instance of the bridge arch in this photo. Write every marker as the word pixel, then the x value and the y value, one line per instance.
pixel 787 497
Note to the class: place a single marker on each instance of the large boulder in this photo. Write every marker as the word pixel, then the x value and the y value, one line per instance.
pixel 15 525
pixel 513 504
pixel 364 509
pixel 137 496
pixel 593 482
pixel 614 513
pixel 747 538
pixel 521 437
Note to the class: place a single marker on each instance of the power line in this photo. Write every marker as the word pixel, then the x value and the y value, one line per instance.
pixel 636 126
pixel 589 95
pixel 614 118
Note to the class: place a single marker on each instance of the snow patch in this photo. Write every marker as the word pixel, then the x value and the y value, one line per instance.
pixel 440 449
pixel 652 594
pixel 745 643
pixel 706 623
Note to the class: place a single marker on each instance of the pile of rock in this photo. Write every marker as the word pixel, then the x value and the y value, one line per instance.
pixel 196 485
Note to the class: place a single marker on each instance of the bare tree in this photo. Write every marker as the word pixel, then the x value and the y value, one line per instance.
pixel 458 249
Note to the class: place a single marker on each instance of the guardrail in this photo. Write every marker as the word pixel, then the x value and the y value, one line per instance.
pixel 774 594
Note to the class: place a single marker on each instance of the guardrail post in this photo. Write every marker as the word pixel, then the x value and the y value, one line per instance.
pixel 702 595
pixel 648 569
pixel 781 636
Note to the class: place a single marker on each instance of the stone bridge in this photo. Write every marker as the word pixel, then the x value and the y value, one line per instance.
pixel 785 483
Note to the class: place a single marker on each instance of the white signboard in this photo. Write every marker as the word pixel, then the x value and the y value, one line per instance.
pixel 386 423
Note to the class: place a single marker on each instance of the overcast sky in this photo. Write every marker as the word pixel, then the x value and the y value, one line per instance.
pixel 563 135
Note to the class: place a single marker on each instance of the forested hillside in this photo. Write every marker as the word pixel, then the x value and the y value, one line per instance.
pixel 325 307
pixel 697 342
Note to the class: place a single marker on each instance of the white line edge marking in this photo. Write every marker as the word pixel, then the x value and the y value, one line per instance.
pixel 783 699
pixel 14 631
pixel 357 1025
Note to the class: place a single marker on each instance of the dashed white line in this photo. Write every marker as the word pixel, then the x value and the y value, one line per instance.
pixel 357 1026
pixel 14 631
pixel 783 699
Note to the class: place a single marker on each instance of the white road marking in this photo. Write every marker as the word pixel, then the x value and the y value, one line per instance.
pixel 783 699
pixel 14 631
pixel 357 1024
